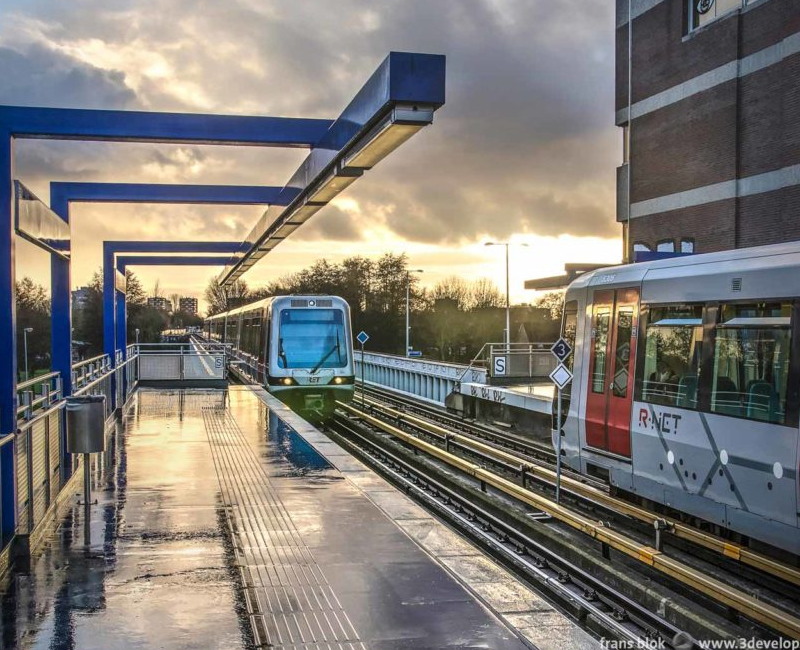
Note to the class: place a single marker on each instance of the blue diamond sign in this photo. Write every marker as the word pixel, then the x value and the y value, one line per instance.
pixel 362 337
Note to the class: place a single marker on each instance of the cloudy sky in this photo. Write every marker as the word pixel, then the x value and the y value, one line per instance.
pixel 525 147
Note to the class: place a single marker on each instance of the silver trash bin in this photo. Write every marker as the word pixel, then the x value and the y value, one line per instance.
pixel 86 420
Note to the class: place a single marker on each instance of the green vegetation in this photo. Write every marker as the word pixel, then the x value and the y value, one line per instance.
pixel 450 321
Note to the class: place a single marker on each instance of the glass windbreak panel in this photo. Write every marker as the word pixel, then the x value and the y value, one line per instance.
pixel 312 338
pixel 600 346
pixel 751 362
pixel 622 351
pixel 673 348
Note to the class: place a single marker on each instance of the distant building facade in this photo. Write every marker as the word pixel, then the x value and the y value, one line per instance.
pixel 160 303
pixel 712 146
pixel 188 305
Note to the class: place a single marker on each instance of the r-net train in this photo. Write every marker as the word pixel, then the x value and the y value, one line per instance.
pixel 686 387
pixel 299 347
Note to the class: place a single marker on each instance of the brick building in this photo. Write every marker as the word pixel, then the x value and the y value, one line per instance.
pixel 712 156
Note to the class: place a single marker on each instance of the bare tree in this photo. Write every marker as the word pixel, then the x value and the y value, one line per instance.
pixel 485 294
pixel 221 298
pixel 453 288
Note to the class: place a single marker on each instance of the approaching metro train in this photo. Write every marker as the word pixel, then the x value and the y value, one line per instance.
pixel 299 347
pixel 686 386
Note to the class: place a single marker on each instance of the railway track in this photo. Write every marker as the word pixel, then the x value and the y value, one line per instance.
pixel 766 614
pixel 582 487
pixel 507 439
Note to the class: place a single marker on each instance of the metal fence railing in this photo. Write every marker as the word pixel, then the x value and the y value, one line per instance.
pixel 39 464
pixel 181 362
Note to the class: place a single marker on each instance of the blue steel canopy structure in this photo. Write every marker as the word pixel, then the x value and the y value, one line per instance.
pixel 396 102
pixel 114 306
pixel 63 194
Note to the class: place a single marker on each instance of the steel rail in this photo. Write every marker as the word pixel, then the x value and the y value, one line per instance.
pixel 730 550
pixel 764 613
pixel 529 447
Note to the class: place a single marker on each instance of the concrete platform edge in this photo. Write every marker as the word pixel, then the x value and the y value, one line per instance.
pixel 522 610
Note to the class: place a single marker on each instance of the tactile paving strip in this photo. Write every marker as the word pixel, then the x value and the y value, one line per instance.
pixel 290 602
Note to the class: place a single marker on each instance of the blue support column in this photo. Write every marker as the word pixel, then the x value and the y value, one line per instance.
pixel 122 324
pixel 109 312
pixel 8 336
pixel 61 331
pixel 61 311
pixel 122 328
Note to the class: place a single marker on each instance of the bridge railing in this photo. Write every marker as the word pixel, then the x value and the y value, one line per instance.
pixel 429 380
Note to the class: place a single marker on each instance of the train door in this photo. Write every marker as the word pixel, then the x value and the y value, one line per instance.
pixel 610 382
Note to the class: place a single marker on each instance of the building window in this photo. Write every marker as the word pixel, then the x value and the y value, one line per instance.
pixel 702 12
pixel 641 247
pixel 665 246
pixel 751 362
pixel 673 345
pixel 687 245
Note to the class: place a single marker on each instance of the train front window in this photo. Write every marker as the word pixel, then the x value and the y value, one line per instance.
pixel 312 338
pixel 751 362
pixel 673 346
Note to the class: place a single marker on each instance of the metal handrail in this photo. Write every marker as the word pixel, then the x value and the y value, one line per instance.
pixel 86 362
pixel 36 380
pixel 471 363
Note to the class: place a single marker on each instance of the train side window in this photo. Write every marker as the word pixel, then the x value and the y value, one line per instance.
pixel 602 321
pixel 569 329
pixel 673 347
pixel 751 361
pixel 622 354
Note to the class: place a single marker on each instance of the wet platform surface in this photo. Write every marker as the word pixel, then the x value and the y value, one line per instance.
pixel 218 526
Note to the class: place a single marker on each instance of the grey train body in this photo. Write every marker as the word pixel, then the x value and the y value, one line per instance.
pixel 702 373
pixel 299 347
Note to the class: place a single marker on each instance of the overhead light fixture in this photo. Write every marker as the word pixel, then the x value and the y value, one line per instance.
pixel 336 181
pixel 402 122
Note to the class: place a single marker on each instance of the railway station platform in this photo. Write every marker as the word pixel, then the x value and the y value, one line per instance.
pixel 223 520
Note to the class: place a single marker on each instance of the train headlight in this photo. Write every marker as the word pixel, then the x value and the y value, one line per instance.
pixel 338 380
pixel 287 381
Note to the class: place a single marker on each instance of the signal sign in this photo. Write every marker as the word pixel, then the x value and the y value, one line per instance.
pixel 561 349
pixel 561 376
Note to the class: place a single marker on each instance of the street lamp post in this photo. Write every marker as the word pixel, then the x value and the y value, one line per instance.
pixel 508 291
pixel 25 333
pixel 408 307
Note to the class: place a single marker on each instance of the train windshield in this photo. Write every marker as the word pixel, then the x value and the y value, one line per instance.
pixel 312 338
